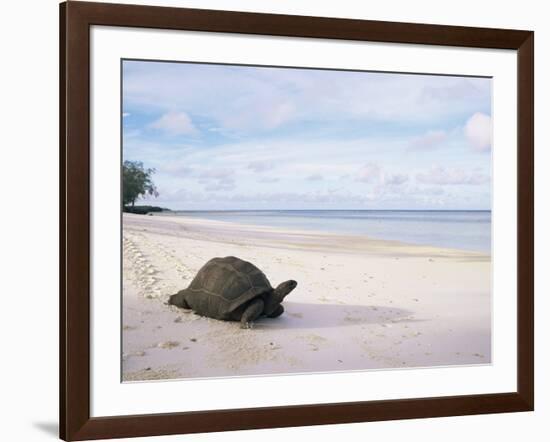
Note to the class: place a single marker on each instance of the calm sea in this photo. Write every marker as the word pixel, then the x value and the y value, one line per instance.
pixel 467 230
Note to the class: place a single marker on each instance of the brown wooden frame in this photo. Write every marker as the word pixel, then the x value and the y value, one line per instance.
pixel 75 21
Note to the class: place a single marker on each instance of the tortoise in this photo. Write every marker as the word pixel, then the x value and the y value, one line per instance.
pixel 231 289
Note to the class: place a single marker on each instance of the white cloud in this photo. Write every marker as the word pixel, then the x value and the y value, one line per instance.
pixel 216 174
pixel 220 186
pixel 478 131
pixel 298 197
pixel 217 179
pixel 315 177
pixel 395 179
pixel 369 173
pixel 430 140
pixel 175 123
pixel 248 99
pixel 217 196
pixel 268 180
pixel 259 111
pixel 260 166
pixel 175 168
pixel 460 89
pixel 125 114
pixel 383 180
pixel 451 176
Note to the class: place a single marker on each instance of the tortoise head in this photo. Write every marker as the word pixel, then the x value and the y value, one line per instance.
pixel 278 295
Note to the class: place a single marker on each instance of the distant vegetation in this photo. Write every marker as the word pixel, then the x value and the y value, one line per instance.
pixel 136 183
pixel 144 210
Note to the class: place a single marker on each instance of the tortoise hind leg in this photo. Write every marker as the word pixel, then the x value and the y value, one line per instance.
pixel 184 303
pixel 179 300
pixel 251 313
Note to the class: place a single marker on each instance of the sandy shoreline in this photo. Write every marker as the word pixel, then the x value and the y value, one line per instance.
pixel 360 303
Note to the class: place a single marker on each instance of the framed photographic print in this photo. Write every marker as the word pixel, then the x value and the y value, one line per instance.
pixel 272 220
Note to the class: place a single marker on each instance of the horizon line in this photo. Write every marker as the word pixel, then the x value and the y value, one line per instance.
pixel 326 210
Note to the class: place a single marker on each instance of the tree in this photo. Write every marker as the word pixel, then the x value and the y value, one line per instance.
pixel 136 182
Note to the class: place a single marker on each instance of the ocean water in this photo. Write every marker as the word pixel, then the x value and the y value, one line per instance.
pixel 466 230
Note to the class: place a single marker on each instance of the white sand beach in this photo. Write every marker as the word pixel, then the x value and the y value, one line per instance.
pixel 360 303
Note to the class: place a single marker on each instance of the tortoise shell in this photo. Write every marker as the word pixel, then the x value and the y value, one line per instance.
pixel 223 285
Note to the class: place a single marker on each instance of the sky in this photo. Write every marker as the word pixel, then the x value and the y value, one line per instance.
pixel 227 137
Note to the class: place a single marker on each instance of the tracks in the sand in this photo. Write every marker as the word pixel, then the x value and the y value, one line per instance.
pixel 144 272
pixel 176 263
pixel 155 268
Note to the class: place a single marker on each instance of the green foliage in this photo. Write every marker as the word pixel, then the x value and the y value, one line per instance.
pixel 136 182
pixel 144 210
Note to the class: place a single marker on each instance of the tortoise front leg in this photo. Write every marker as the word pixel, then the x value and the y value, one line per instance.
pixel 251 313
pixel 278 312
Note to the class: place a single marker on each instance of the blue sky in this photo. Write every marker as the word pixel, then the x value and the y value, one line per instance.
pixel 237 137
